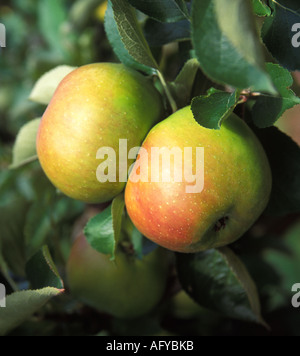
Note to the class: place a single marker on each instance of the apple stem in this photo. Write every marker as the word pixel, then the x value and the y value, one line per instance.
pixel 167 91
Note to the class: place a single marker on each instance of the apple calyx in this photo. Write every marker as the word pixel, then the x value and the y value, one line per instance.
pixel 221 224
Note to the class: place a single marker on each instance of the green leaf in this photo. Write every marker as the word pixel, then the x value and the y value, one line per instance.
pixel 268 109
pixel 260 8
pixel 24 150
pixel 158 34
pixel 100 233
pixel 284 157
pixel 131 33
pixel 42 272
pixel 211 110
pixel 20 306
pixel 183 85
pixel 218 280
pixel 277 33
pixel 235 55
pixel 45 87
pixel 162 10
pixel 114 37
pixel 103 231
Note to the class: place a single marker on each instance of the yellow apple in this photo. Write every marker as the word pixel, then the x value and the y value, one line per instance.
pixel 233 188
pixel 93 108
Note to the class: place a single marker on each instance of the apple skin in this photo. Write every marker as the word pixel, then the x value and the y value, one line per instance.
pixel 126 288
pixel 93 107
pixel 237 186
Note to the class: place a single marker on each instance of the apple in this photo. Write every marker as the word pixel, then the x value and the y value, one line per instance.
pixel 126 288
pixel 94 107
pixel 236 184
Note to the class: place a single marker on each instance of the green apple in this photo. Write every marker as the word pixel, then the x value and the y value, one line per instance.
pixel 236 184
pixel 125 288
pixel 94 107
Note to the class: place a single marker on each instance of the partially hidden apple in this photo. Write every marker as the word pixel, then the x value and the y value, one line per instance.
pixel 126 288
pixel 236 187
pixel 94 107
